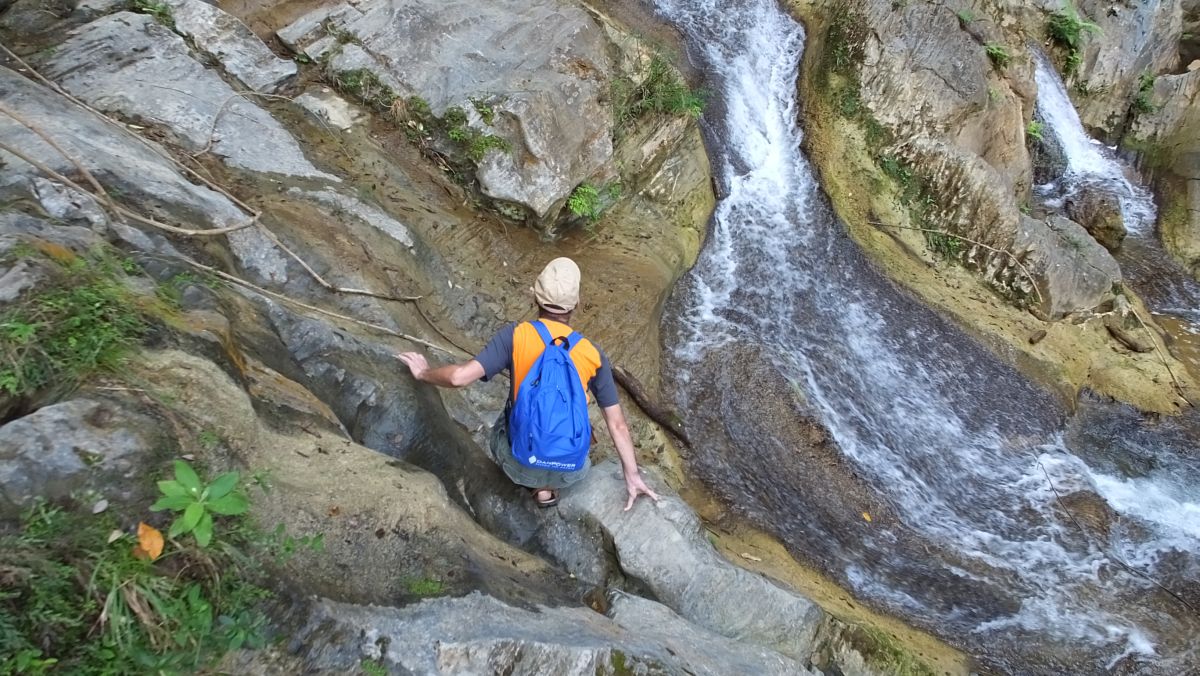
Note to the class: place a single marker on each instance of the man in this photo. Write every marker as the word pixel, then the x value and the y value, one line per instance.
pixel 516 347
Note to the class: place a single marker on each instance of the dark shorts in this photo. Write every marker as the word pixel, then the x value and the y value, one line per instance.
pixel 530 477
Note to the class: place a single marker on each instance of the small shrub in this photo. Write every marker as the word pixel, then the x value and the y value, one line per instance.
pixel 486 112
pixel 81 322
pixel 659 90
pixel 965 17
pixel 1068 30
pixel 944 245
pixel 998 54
pixel 365 86
pixel 1141 101
pixel 1034 130
pixel 161 11
pixel 585 202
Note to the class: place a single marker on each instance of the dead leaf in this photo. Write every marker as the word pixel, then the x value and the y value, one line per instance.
pixel 150 542
pixel 114 536
pixel 750 557
pixel 867 517
pixel 335 510
pixel 100 506
pixel 188 456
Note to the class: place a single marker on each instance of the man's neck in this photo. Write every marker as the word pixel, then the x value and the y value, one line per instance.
pixel 565 320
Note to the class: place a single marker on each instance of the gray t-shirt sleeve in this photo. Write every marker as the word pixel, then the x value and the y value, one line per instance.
pixel 497 354
pixel 603 387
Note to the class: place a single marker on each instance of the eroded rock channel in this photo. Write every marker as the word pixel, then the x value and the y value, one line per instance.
pixel 261 203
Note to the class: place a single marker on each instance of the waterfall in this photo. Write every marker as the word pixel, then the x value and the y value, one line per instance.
pixel 1157 277
pixel 1087 159
pixel 783 317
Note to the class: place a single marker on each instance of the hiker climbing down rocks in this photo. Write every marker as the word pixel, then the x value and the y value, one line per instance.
pixel 541 440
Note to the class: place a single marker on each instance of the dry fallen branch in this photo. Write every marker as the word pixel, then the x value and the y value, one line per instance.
pixel 312 308
pixel 1162 358
pixel 944 233
pixel 118 210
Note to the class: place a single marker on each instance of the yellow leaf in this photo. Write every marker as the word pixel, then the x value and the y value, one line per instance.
pixel 867 517
pixel 150 542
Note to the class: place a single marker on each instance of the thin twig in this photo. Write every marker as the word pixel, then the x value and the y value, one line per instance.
pixel 1111 555
pixel 100 191
pixel 321 280
pixel 118 209
pixel 1162 358
pixel 288 299
pixel 975 242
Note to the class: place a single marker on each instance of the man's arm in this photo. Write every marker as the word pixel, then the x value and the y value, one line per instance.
pixel 614 418
pixel 450 375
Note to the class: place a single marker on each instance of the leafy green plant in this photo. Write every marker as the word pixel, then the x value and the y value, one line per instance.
pixel 196 503
pixel 655 89
pixel 585 202
pixel 1068 30
pixel 1141 101
pixel 161 11
pixel 965 17
pixel 1034 130
pixel 944 245
pixel 998 54
pixel 77 596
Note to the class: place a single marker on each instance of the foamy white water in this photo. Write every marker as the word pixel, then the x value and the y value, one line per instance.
pixel 1088 159
pixel 954 441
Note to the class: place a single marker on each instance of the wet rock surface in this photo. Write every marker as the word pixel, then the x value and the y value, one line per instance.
pixel 447 636
pixel 1099 212
pixel 1074 271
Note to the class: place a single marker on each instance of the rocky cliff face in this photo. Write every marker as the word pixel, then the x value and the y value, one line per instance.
pixel 282 243
pixel 936 104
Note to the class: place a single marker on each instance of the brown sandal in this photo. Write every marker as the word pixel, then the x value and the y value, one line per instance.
pixel 547 502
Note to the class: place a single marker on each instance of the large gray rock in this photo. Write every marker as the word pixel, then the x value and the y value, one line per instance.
pixel 1170 136
pixel 1074 272
pixel 133 169
pixel 1133 38
pixel 541 65
pixel 130 65
pixel 67 447
pixel 477 634
pixel 663 546
pixel 138 171
pixel 1098 210
pixel 231 42
pixel 923 75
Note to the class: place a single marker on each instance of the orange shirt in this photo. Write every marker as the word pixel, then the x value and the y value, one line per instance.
pixel 528 346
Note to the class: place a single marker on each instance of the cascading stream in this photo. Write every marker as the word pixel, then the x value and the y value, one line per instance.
pixel 783 319
pixel 1158 278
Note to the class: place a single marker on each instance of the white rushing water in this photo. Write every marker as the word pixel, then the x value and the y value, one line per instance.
pixel 901 396
pixel 1088 160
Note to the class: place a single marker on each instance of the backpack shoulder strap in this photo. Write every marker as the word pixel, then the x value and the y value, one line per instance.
pixel 543 332
pixel 574 339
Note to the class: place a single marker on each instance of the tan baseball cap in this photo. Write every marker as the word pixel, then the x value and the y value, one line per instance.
pixel 557 288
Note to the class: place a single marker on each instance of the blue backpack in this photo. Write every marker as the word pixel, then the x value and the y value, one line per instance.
pixel 548 424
